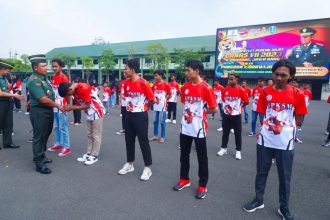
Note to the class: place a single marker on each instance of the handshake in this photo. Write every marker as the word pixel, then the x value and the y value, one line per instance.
pixel 65 108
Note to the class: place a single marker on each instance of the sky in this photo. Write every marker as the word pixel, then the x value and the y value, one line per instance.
pixel 37 26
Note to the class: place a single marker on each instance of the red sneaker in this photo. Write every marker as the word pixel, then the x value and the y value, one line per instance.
pixel 64 152
pixel 201 192
pixel 183 183
pixel 55 148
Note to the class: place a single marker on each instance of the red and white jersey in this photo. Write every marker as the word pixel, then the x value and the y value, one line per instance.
pixel 161 91
pixel 106 93
pixel 175 88
pixel 17 86
pixel 56 81
pixel 196 98
pixel 255 95
pixel 138 93
pixel 308 96
pixel 123 99
pixel 87 94
pixel 247 90
pixel 218 93
pixel 279 125
pixel 233 99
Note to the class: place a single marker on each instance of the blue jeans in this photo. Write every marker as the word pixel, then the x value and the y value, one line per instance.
pixel 61 129
pixel 254 120
pixel 162 123
pixel 113 99
pixel 246 114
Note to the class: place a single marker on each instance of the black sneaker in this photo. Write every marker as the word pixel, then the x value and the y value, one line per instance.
pixel 285 213
pixel 254 205
pixel 201 192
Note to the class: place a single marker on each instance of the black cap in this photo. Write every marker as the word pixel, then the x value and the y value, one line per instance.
pixel 5 64
pixel 307 31
pixel 38 58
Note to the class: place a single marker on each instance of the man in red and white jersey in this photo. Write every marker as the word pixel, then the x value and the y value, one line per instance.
pixel 218 88
pixel 162 93
pixel 139 98
pixel 172 102
pixel 282 106
pixel 123 104
pixel 62 138
pixel 199 100
pixel 87 99
pixel 247 89
pixel 106 93
pixel 17 89
pixel 307 92
pixel 234 99
pixel 255 95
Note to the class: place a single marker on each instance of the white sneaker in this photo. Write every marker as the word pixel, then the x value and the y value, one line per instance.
pixel 168 120
pixel 122 131
pixel 222 152
pixel 174 121
pixel 91 160
pixel 251 134
pixel 232 131
pixel 26 113
pixel 126 169
pixel 298 141
pixel 146 174
pixel 219 129
pixel 238 155
pixel 121 115
pixel 83 158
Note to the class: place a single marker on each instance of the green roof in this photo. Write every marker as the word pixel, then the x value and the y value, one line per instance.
pixel 139 47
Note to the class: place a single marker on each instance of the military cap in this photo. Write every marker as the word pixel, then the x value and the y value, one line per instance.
pixel 307 31
pixel 38 58
pixel 5 64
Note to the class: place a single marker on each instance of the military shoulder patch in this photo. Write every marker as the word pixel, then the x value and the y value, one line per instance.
pixel 35 78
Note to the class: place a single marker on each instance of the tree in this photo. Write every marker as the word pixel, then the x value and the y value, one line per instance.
pixel 181 56
pixel 19 65
pixel 107 62
pixel 68 59
pixel 87 64
pixel 157 53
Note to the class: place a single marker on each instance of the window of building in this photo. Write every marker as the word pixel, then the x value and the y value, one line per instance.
pixel 206 59
pixel 124 60
pixel 95 61
pixel 79 62
pixel 148 61
pixel 116 60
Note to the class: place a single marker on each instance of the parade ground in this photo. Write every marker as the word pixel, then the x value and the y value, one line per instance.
pixel 77 191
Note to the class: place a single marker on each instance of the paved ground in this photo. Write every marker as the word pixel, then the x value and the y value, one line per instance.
pixel 76 191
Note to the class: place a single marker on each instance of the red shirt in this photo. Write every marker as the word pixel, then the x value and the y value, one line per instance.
pixel 56 81
pixel 138 93
pixel 161 90
pixel 85 94
pixel 247 90
pixel 106 93
pixel 17 86
pixel 255 95
pixel 279 125
pixel 122 95
pixel 233 99
pixel 308 96
pixel 218 93
pixel 195 98
pixel 175 89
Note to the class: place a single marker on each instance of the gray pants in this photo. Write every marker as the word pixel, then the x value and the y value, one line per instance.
pixel 94 136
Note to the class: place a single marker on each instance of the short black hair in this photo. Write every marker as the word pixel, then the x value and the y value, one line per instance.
pixel 307 82
pixel 195 65
pixel 296 80
pixel 133 64
pixel 260 79
pixel 286 63
pixel 234 74
pixel 58 61
pixel 63 88
pixel 159 72
pixel 173 74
